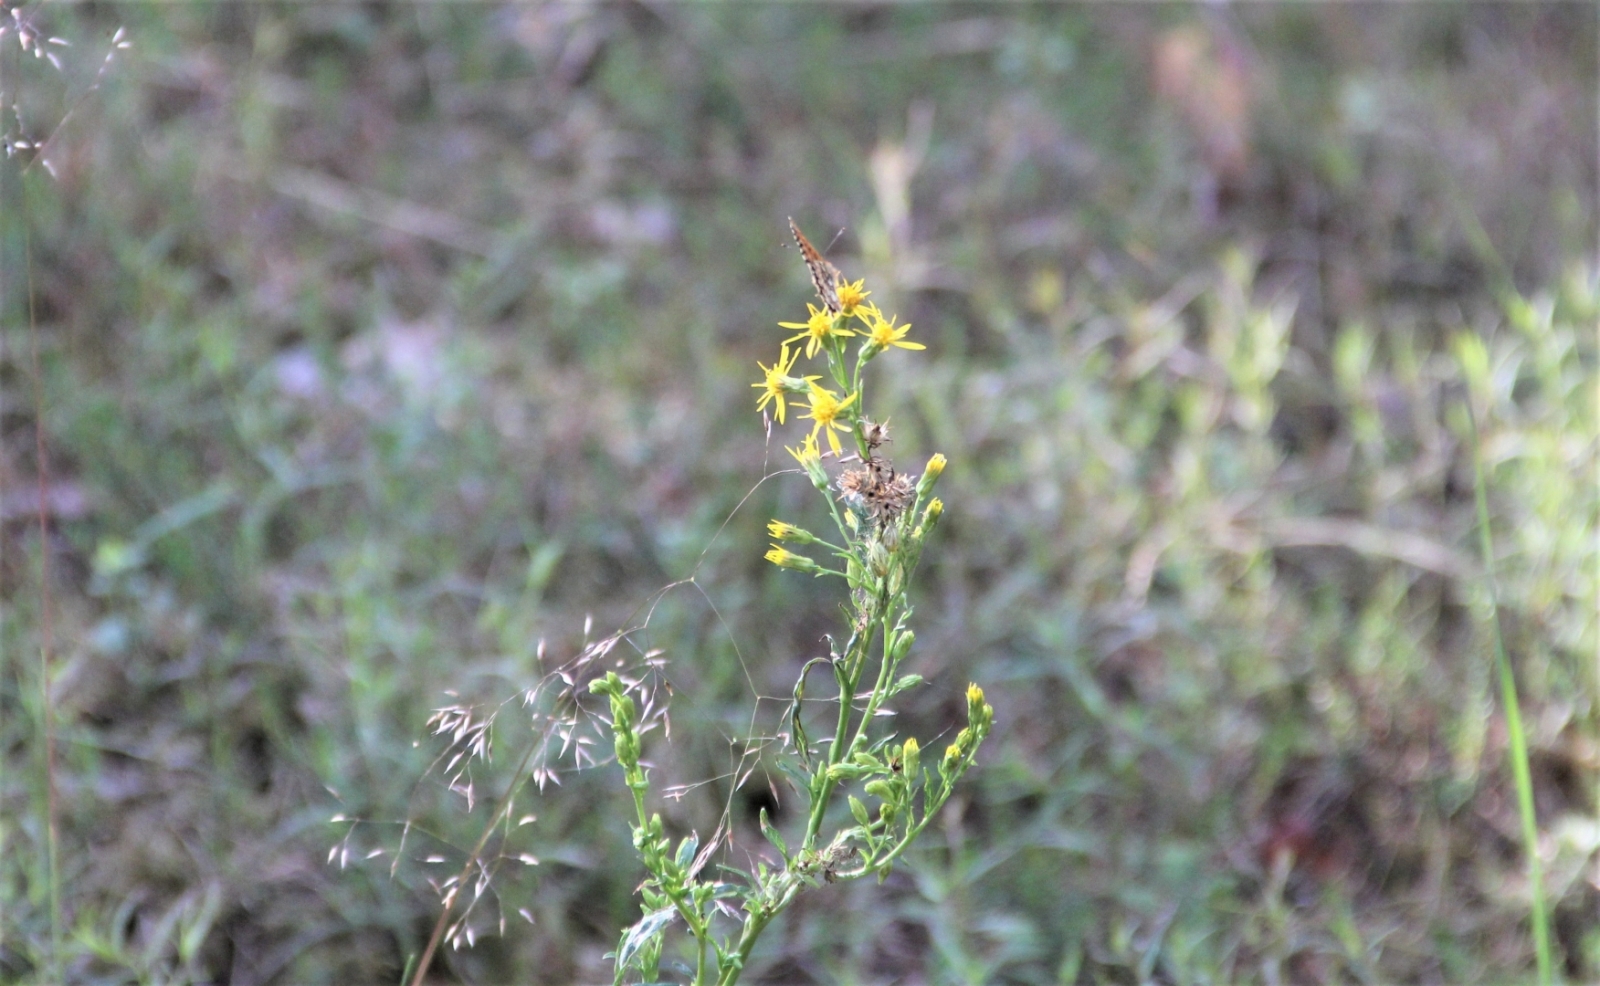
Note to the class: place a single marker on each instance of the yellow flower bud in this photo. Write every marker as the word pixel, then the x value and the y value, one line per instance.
pixel 788 532
pixel 911 755
pixel 787 559
pixel 930 474
pixel 952 758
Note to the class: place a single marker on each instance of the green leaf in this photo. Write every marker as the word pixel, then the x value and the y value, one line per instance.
pixel 773 836
pixel 686 851
pixel 636 938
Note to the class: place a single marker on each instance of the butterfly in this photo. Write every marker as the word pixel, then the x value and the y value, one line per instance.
pixel 824 276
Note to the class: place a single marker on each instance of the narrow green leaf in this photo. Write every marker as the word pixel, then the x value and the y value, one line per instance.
pixel 637 937
pixel 773 836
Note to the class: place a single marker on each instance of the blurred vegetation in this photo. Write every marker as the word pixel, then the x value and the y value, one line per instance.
pixel 380 345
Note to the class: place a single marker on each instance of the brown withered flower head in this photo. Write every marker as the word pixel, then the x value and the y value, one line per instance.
pixel 876 432
pixel 876 490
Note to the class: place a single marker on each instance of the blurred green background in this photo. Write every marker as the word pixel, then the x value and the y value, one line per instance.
pixel 373 344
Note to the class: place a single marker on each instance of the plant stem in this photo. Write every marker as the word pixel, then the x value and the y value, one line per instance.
pixel 753 926
pixel 46 622
pixel 520 777
pixel 824 787
pixel 884 670
pixel 1518 736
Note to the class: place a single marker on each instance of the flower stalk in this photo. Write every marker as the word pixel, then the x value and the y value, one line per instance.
pixel 890 790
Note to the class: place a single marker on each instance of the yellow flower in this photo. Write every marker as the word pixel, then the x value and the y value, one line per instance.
pixel 784 558
pixel 817 329
pixel 778 380
pixel 807 455
pixel 825 410
pixel 810 459
pixel 782 531
pixel 882 334
pixel 851 296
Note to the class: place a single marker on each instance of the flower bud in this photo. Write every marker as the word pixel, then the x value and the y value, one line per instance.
pixel 902 645
pixel 906 681
pixel 855 574
pixel 878 558
pixel 930 474
pixel 845 772
pixel 623 712
pixel 911 755
pixel 980 714
pixel 788 559
pixel 858 811
pixel 627 747
pixel 788 532
pixel 952 759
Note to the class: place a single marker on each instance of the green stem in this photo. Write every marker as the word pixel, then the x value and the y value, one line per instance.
pixel 753 926
pixel 824 787
pixel 1508 695
pixel 885 669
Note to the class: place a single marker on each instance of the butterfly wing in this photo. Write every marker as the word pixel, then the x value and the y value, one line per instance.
pixel 824 276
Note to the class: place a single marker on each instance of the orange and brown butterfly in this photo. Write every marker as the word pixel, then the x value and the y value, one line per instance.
pixel 825 277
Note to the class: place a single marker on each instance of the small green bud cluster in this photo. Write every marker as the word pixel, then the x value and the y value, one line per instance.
pixel 624 726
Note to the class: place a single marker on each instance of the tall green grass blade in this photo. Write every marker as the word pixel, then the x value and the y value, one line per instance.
pixel 1508 685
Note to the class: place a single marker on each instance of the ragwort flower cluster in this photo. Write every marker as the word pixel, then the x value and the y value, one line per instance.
pixel 882 519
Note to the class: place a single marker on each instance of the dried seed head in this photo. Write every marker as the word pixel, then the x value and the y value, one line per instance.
pixel 875 490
